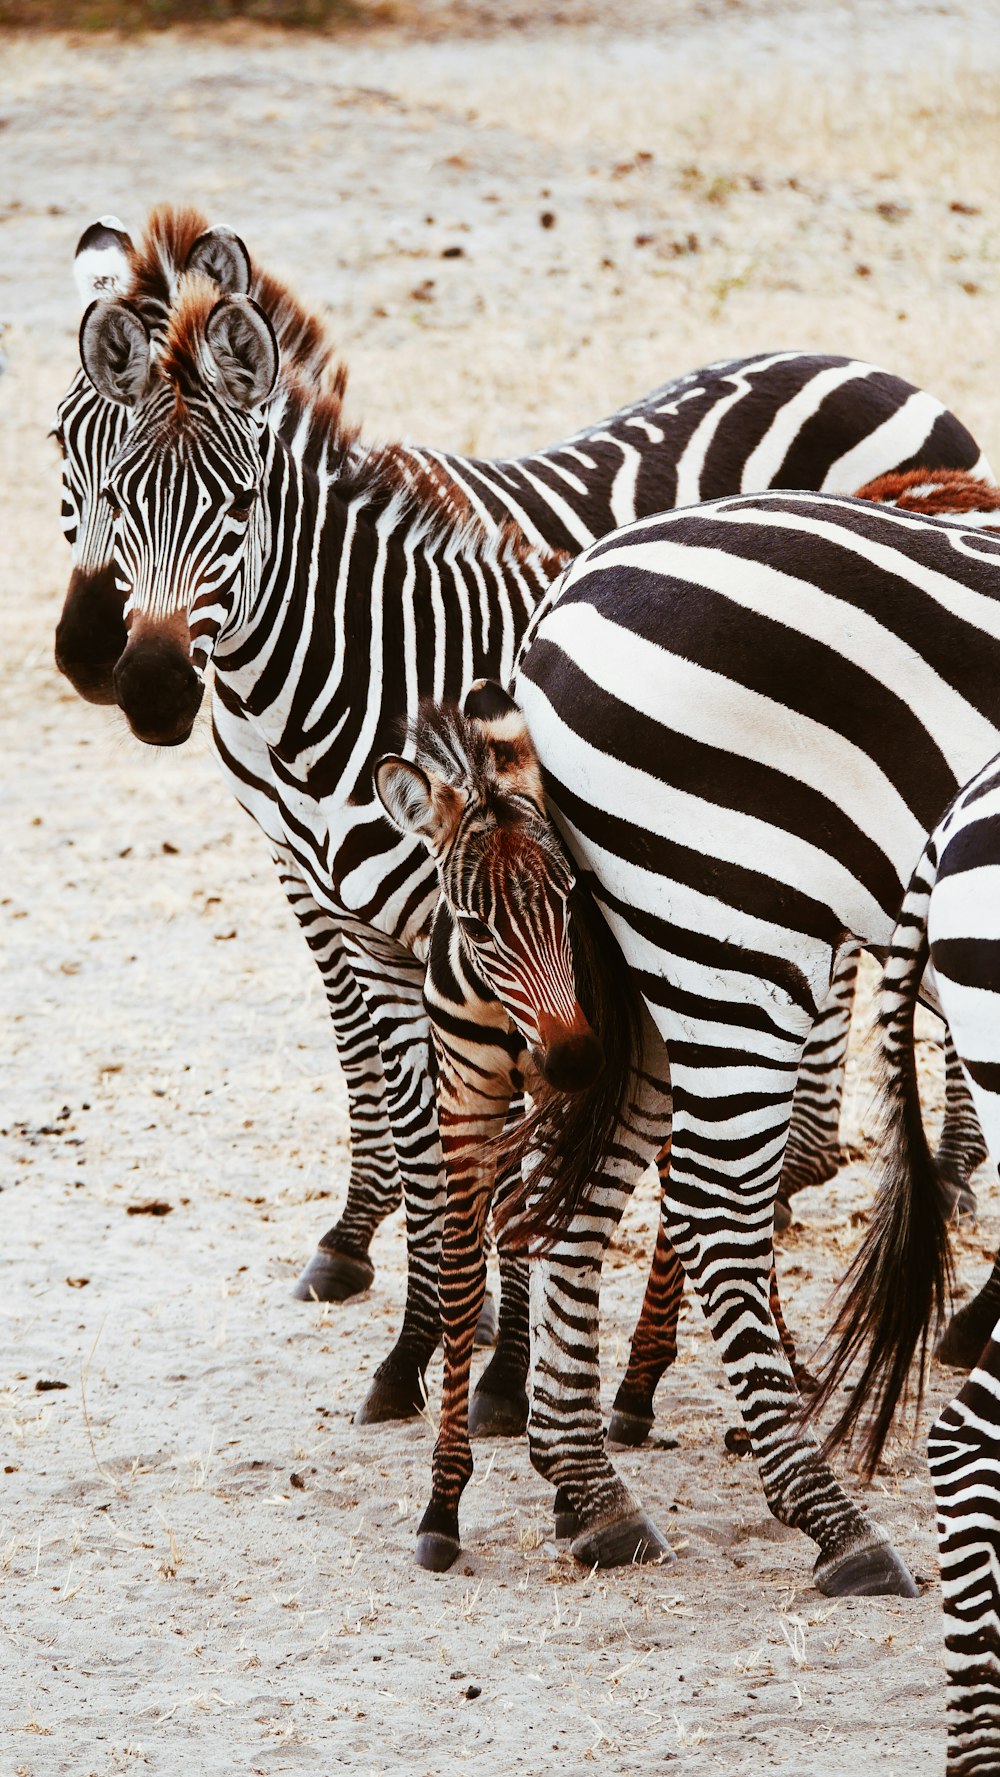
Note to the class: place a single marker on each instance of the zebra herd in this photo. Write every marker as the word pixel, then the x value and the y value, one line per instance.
pixel 745 700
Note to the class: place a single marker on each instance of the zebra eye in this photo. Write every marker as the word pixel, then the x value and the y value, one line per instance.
pixel 56 432
pixel 112 502
pixel 241 504
pixel 474 928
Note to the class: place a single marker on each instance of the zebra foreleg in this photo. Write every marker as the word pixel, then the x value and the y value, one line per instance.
pixel 654 1346
pixel 963 1449
pixel 471 1119
pixel 725 1162
pixel 341 1266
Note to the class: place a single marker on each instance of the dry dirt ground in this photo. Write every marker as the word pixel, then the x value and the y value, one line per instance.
pixel 205 1568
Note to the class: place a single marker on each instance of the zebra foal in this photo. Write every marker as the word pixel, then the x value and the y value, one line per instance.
pixel 514 946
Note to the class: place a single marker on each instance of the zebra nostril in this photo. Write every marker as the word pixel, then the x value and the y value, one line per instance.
pixel 572 1063
pixel 158 690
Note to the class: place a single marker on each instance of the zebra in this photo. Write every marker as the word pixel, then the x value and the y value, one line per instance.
pixel 383 543
pixel 510 944
pixel 946 933
pixel 784 417
pixel 749 715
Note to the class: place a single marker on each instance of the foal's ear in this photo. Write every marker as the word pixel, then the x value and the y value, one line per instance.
pixel 222 256
pixel 114 351
pixel 487 701
pixel 244 350
pixel 426 808
pixel 102 263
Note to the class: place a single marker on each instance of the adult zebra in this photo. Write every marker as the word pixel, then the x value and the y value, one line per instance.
pixel 337 535
pixel 790 418
pixel 947 930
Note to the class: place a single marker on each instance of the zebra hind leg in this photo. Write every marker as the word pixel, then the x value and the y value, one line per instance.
pixel 814 1152
pixel 725 1161
pixel 963 1449
pixel 654 1347
pixel 499 1405
pixel 962 1147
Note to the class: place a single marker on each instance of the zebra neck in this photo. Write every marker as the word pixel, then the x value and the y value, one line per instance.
pixel 366 606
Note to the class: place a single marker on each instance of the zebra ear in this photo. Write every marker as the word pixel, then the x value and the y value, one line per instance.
pixel 221 255
pixel 244 349
pixel 426 808
pixel 487 701
pixel 114 351
pixel 102 263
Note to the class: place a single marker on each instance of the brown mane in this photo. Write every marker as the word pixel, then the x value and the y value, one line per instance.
pixel 938 493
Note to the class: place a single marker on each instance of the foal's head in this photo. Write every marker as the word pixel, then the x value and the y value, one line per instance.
pixel 473 795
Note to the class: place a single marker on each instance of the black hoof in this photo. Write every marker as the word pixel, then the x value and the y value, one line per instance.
pixel 627 1541
pixel 489 1322
pixel 497 1415
pixel 737 1440
pixel 964 1205
pixel 782 1214
pixel 869 1573
pixel 391 1397
pixel 964 1338
pixel 333 1277
pixel 437 1552
pixel 628 1429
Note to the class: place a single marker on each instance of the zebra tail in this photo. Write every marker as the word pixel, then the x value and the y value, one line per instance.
pixel 558 1151
pixel 899 1282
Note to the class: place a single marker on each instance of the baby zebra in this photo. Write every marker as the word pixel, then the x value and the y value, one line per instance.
pixel 950 922
pixel 517 986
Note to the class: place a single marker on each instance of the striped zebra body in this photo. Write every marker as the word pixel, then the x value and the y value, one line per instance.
pixel 330 606
pixel 750 715
pixel 947 937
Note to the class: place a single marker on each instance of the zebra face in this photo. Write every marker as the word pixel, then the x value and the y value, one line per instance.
pixel 508 893
pixel 90 634
pixel 183 492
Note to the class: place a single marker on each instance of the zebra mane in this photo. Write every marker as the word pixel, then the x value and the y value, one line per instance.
pixel 159 280
pixel 938 493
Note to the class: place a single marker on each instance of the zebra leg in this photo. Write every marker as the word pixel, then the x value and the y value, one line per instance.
pixel 963 1449
pixel 968 1330
pixel 654 1346
pixel 565 1427
pixel 391 980
pixel 725 1164
pixel 471 1112
pixel 962 1147
pixel 814 1152
pixel 499 1405
pixel 340 1266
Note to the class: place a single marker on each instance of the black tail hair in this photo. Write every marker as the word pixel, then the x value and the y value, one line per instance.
pixel 899 1282
pixel 555 1154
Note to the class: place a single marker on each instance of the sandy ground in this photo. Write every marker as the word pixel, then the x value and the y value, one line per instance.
pixel 204 1566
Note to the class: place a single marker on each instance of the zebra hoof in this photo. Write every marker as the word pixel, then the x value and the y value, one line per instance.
pixel 333 1277
pixel 566 1516
pixel 391 1396
pixel 964 1206
pixel 437 1552
pixel 498 1415
pixel 488 1324
pixel 628 1541
pixel 867 1573
pixel 628 1430
pixel 964 1338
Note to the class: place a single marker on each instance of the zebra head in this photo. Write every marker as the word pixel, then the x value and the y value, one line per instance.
pixel 90 427
pixel 183 491
pixel 473 795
